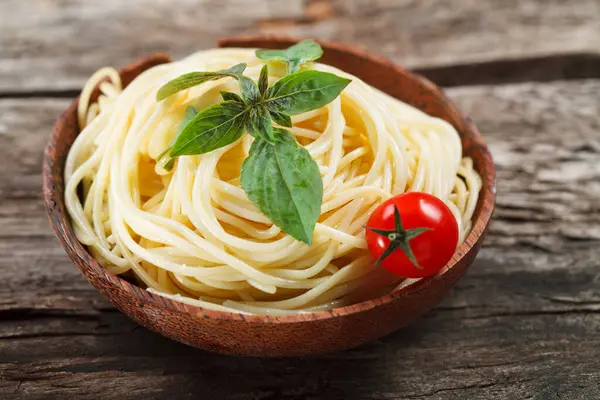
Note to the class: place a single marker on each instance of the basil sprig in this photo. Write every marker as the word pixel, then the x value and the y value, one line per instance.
pixel 293 57
pixel 279 176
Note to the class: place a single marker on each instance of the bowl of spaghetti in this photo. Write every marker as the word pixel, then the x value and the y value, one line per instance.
pixel 221 200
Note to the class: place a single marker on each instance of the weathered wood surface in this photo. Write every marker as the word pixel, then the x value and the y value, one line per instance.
pixel 523 324
pixel 50 45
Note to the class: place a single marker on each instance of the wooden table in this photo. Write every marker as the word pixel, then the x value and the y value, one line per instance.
pixel 523 324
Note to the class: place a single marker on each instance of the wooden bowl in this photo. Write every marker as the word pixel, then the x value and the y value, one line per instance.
pixel 318 332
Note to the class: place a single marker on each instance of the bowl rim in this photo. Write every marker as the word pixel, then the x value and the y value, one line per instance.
pixel 486 203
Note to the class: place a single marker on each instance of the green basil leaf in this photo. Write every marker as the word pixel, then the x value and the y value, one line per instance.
pixel 272 55
pixel 230 96
pixel 191 79
pixel 189 115
pixel 236 69
pixel 281 119
pixel 284 183
pixel 294 56
pixel 249 90
pixel 259 124
pixel 304 51
pixel 304 91
pixel 263 80
pixel 213 128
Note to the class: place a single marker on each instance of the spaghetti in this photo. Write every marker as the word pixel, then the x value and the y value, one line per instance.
pixel 191 233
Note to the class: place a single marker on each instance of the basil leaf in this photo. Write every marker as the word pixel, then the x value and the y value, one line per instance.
pixel 230 96
pixel 263 80
pixel 236 69
pixel 189 115
pixel 191 79
pixel 301 52
pixel 284 183
pixel 294 56
pixel 249 90
pixel 304 91
pixel 272 55
pixel 281 119
pixel 259 124
pixel 213 128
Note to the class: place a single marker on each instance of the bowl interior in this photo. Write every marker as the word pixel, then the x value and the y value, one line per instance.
pixel 374 70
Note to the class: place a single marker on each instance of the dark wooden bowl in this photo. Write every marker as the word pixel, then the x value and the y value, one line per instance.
pixel 319 332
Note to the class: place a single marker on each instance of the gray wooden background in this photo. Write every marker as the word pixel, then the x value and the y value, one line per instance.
pixel 523 324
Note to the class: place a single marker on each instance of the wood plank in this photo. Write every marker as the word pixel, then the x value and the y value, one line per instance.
pixel 424 361
pixel 51 45
pixel 523 323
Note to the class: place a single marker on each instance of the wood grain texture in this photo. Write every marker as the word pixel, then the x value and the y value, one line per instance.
pixel 52 46
pixel 523 323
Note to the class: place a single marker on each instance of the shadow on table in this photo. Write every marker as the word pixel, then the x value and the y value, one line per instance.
pixel 194 373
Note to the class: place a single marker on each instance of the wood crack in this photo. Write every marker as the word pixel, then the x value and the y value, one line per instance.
pixel 69 93
pixel 43 335
pixel 18 387
pixel 535 313
pixel 571 300
pixel 29 314
pixel 466 387
pixel 538 69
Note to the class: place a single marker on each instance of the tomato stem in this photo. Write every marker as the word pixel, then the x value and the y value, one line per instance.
pixel 399 239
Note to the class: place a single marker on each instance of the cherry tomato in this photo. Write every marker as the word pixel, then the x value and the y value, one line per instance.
pixel 412 235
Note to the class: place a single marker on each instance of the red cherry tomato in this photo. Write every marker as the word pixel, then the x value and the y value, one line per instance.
pixel 421 244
